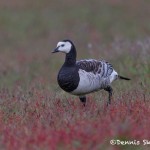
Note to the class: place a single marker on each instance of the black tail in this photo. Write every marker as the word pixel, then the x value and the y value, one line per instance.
pixel 124 78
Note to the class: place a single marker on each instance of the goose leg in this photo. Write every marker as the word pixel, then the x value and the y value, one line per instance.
pixel 83 99
pixel 109 90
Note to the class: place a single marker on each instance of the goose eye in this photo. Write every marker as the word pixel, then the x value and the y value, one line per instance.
pixel 62 45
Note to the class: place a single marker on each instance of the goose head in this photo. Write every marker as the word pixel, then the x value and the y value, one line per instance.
pixel 64 46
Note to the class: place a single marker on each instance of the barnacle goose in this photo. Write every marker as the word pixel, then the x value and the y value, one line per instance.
pixel 84 76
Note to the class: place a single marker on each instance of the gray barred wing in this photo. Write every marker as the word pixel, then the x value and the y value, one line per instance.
pixel 107 69
pixel 103 68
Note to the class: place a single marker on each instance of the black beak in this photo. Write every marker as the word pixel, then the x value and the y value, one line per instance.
pixel 55 50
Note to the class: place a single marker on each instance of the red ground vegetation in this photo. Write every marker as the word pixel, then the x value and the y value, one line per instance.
pixel 35 120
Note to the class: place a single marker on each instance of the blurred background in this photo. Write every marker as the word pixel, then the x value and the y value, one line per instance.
pixel 115 30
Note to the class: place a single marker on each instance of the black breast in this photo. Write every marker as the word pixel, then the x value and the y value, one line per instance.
pixel 68 78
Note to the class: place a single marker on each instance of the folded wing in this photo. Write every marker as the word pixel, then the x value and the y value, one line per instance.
pixel 103 68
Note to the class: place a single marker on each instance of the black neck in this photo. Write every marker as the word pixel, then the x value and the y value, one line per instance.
pixel 70 59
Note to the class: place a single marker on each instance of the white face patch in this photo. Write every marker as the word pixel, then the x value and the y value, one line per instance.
pixel 64 47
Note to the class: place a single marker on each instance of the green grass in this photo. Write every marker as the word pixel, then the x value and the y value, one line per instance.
pixel 29 31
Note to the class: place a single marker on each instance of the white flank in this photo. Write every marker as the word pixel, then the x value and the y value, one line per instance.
pixel 89 82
